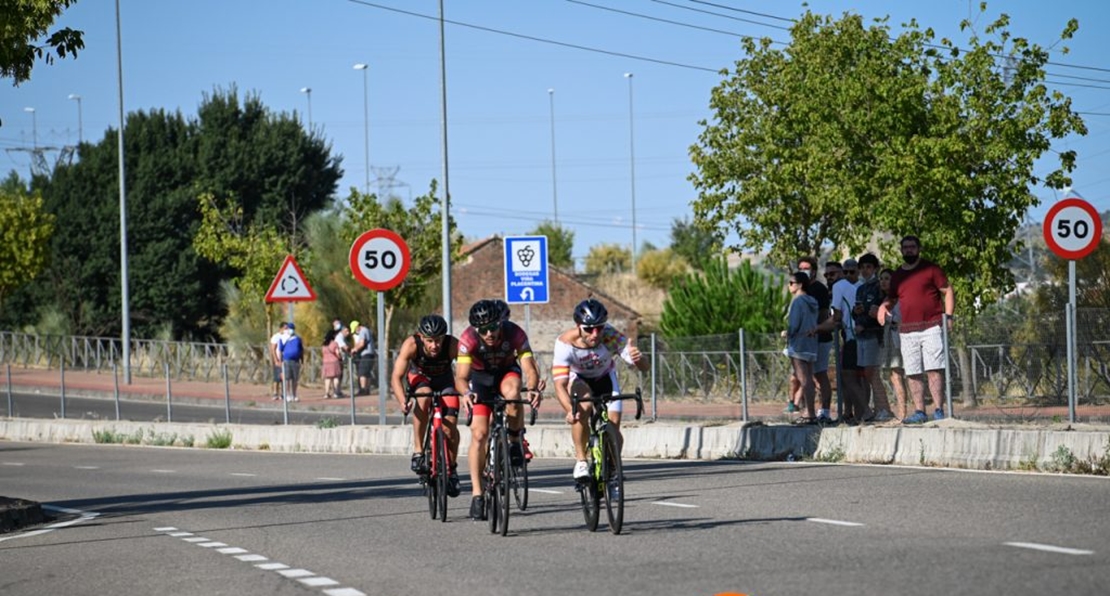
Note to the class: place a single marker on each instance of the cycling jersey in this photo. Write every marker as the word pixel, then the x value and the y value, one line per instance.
pixel 512 346
pixel 432 366
pixel 591 363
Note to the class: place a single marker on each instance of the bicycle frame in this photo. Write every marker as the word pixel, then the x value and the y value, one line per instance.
pixel 497 474
pixel 437 454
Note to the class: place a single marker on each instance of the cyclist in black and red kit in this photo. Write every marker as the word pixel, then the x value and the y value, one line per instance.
pixel 492 354
pixel 424 363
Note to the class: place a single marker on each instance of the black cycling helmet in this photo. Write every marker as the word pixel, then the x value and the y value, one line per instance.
pixel 504 307
pixel 590 313
pixel 432 326
pixel 484 312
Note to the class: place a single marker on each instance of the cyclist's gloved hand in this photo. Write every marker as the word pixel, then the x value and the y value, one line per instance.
pixel 406 408
pixel 468 401
pixel 572 417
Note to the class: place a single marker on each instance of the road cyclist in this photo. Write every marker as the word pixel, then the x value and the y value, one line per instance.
pixel 438 477
pixel 501 475
pixel 494 357
pixel 424 364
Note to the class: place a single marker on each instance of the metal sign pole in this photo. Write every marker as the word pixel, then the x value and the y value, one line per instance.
pixel 382 353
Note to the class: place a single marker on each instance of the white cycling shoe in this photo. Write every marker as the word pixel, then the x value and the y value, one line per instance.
pixel 581 470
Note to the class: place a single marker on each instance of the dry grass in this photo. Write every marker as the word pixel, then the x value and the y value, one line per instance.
pixel 646 300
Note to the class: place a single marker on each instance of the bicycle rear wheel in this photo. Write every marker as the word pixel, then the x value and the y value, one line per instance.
pixel 520 486
pixel 587 488
pixel 441 471
pixel 612 474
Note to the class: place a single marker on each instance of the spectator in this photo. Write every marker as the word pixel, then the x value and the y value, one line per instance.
pixel 869 336
pixel 821 294
pixel 892 348
pixel 275 360
pixel 926 298
pixel 801 340
pixel 363 355
pixel 292 350
pixel 342 339
pixel 833 274
pixel 843 300
pixel 332 362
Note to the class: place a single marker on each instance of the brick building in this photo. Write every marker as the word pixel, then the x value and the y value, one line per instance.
pixel 480 273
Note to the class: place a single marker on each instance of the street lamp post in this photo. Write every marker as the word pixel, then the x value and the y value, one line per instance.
pixel 80 126
pixel 308 92
pixel 366 120
pixel 554 188
pixel 632 166
pixel 34 128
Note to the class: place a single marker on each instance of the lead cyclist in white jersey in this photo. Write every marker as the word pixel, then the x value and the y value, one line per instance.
pixel 584 364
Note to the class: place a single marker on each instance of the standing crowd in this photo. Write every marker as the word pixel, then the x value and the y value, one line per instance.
pixel 344 347
pixel 887 319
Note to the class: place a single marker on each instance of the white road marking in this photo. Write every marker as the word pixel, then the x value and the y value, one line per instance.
pixel 672 504
pixel 330 479
pixel 211 544
pixel 834 522
pixel 13 463
pixel 196 539
pixel 545 491
pixel 163 471
pixel 344 592
pixel 272 566
pixel 82 516
pixel 165 529
pixel 243 474
pixel 180 534
pixel 231 550
pixel 318 581
pixel 1048 548
pixel 251 558
pixel 295 573
pixel 87 467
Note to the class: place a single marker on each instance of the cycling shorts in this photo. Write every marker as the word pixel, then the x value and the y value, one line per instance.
pixel 444 383
pixel 486 385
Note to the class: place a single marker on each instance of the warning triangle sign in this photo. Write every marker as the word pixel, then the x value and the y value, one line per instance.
pixel 290 284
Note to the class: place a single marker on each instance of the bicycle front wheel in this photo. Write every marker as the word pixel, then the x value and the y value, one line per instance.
pixel 428 479
pixel 613 480
pixel 441 471
pixel 490 480
pixel 520 485
pixel 504 476
pixel 587 488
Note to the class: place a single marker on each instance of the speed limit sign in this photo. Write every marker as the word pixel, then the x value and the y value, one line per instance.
pixel 1072 228
pixel 380 259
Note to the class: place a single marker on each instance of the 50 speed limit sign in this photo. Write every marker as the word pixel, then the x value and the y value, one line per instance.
pixel 380 259
pixel 1072 228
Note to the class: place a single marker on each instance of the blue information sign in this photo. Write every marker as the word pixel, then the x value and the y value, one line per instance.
pixel 526 269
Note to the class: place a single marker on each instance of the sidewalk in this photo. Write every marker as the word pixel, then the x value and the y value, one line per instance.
pixel 94 384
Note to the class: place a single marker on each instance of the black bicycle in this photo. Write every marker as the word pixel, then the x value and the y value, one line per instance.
pixel 500 476
pixel 437 455
pixel 603 457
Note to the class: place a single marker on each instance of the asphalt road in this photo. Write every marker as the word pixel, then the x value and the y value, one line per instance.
pixel 167 520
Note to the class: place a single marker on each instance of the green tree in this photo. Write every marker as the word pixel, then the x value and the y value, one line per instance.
pixel 560 243
pixel 693 242
pixel 850 132
pixel 608 258
pixel 25 22
pixel 718 300
pixel 25 232
pixel 420 226
pixel 659 268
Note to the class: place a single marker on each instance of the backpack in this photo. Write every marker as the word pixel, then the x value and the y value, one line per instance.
pixel 292 349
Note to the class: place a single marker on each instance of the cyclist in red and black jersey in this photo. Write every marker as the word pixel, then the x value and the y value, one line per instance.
pixel 424 363
pixel 492 354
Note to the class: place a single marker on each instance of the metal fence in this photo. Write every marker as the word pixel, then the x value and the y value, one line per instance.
pixel 1022 361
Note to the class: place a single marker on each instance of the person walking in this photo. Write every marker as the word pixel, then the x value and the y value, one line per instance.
pixel 921 289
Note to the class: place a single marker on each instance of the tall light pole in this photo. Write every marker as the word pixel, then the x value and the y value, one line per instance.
pixel 124 281
pixel 308 92
pixel 632 166
pixel 554 189
pixel 366 120
pixel 80 126
pixel 34 128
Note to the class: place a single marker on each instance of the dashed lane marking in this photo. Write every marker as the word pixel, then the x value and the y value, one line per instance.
pixel 247 474
pixel 303 576
pixel 331 479
pixel 673 504
pixel 545 491
pixel 86 467
pixel 164 471
pixel 1048 548
pixel 834 522
pixel 14 463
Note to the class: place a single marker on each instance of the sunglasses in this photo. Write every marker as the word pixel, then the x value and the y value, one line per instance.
pixel 490 328
pixel 591 328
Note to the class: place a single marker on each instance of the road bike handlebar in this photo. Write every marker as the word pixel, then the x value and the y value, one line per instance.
pixel 602 400
pixel 502 401
pixel 411 394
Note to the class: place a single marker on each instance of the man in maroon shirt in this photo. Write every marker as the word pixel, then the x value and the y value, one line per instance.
pixel 926 297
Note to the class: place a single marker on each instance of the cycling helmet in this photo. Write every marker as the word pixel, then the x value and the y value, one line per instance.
pixel 504 307
pixel 484 312
pixel 590 313
pixel 432 326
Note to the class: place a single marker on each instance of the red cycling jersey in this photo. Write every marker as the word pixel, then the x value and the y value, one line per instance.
pixel 513 346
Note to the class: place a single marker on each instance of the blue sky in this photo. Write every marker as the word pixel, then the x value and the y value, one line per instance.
pixel 502 58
